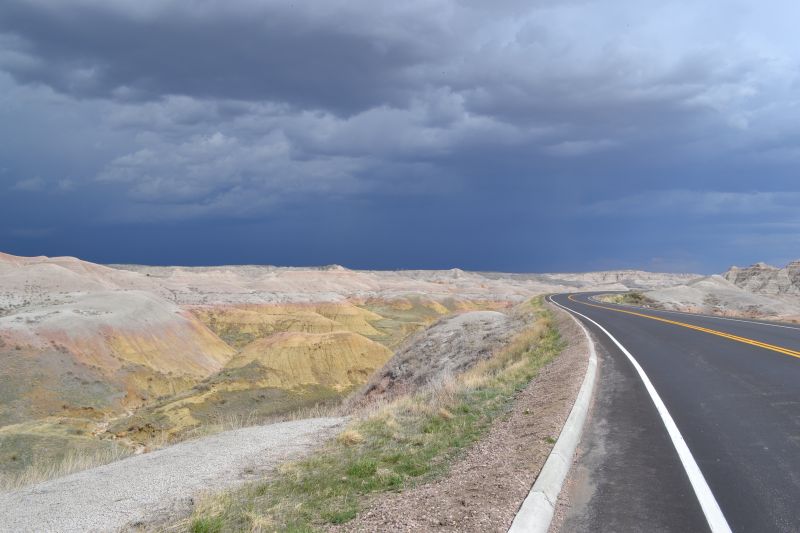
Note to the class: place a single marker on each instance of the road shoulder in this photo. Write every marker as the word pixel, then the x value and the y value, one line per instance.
pixel 627 474
pixel 484 489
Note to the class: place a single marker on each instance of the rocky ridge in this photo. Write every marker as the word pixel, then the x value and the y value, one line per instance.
pixel 762 278
pixel 757 291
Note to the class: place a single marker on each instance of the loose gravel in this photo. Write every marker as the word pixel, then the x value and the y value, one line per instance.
pixel 149 488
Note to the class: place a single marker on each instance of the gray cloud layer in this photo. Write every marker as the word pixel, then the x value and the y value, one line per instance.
pixel 168 110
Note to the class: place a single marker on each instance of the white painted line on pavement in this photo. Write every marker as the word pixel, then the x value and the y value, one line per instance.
pixel 716 520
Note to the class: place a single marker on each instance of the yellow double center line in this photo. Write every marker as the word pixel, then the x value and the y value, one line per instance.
pixel 737 338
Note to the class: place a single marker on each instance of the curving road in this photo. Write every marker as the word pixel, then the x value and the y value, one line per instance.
pixel 723 450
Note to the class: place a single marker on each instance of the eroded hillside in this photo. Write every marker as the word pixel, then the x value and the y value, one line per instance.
pixel 95 357
pixel 288 356
pixel 758 291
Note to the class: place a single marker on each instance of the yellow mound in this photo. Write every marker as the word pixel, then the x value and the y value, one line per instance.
pixel 399 304
pixel 188 350
pixel 240 325
pixel 436 307
pixel 339 359
pixel 355 319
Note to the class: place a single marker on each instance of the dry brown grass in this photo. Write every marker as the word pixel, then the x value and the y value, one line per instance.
pixel 229 422
pixel 350 437
pixel 74 461
pixel 507 360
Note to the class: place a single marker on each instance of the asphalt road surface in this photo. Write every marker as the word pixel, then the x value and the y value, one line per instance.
pixel 732 457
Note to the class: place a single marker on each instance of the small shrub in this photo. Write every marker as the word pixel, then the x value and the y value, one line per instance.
pixel 350 437
pixel 636 298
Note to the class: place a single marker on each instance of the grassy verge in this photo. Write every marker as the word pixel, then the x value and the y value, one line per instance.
pixel 408 441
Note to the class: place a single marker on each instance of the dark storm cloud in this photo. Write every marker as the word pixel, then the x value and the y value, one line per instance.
pixel 316 56
pixel 426 128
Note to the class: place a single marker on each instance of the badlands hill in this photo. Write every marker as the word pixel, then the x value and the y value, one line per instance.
pixel 75 334
pixel 758 291
pixel 94 357
pixel 765 279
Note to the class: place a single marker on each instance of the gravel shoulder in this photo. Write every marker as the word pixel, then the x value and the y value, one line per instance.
pixel 146 489
pixel 484 489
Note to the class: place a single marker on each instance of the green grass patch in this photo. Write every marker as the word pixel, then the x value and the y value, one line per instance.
pixel 207 525
pixel 409 441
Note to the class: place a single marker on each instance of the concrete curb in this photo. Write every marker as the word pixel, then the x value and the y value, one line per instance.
pixel 537 510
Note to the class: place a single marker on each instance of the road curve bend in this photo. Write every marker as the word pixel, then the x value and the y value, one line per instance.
pixel 695 425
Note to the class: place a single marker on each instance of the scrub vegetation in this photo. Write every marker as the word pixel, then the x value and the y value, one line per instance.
pixel 389 447
pixel 629 298
pixel 53 466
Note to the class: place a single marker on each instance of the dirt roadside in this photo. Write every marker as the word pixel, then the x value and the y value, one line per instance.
pixel 140 491
pixel 484 488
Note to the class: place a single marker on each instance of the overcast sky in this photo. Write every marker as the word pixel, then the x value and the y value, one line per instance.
pixel 537 135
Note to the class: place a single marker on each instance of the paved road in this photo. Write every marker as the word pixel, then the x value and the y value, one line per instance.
pixel 732 389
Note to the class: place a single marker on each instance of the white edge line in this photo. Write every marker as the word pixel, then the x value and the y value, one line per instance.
pixel 716 520
pixel 537 510
pixel 699 315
